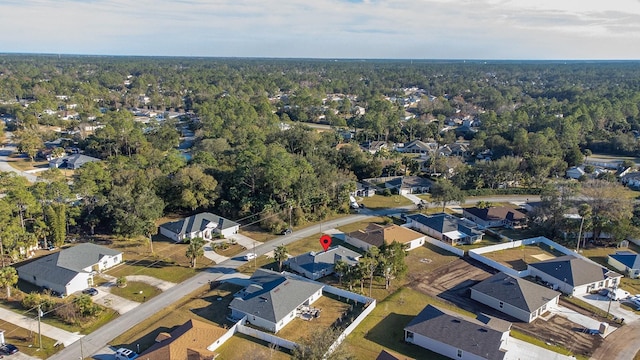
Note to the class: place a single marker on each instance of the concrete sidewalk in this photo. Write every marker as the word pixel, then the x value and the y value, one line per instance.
pixel 29 323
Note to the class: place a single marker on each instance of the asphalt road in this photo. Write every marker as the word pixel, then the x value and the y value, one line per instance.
pixel 94 343
pixel 5 151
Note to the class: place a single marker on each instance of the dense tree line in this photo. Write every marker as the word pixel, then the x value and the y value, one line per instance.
pixel 537 119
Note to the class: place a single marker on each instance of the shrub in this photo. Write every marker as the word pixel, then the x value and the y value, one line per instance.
pixel 121 282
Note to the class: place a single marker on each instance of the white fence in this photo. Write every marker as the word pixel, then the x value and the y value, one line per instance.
pixel 270 338
pixel 445 246
pixel 477 253
pixel 232 330
pixel 351 327
pixel 371 304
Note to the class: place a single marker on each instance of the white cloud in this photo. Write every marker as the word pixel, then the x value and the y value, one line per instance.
pixel 324 28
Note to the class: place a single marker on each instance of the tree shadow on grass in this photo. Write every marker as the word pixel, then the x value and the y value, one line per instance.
pixel 146 340
pixel 389 332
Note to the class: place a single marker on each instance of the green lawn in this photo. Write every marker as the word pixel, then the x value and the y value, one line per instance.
pixel 383 328
pixel 136 291
pixel 27 341
pixel 382 202
pixel 361 224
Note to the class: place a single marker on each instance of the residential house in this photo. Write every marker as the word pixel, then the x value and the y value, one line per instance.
pixel 71 162
pixel 363 190
pixel 446 228
pixel 379 235
pixel 631 179
pixel 419 147
pixel 314 265
pixel 375 146
pixel 202 225
pixel 272 300
pixel 516 297
pixel 71 269
pixel 409 185
pixel 627 262
pixel 495 216
pixel 193 340
pixel 574 276
pixel 575 172
pixel 458 337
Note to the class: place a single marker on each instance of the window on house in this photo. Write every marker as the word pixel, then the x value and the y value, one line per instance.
pixel 501 304
pixel 600 284
pixel 409 335
pixel 459 353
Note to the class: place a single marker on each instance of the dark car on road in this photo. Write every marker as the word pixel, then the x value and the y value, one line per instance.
pixel 8 349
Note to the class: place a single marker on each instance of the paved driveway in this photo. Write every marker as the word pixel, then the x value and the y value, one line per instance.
pixel 613 307
pixel 29 323
pixel 522 350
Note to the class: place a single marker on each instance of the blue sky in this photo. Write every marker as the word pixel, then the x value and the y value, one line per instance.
pixel 417 29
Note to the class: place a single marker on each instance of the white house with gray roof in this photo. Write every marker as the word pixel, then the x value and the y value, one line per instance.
pixel 516 297
pixel 272 300
pixel 71 269
pixel 574 276
pixel 446 228
pixel 458 337
pixel 314 265
pixel 71 162
pixel 202 225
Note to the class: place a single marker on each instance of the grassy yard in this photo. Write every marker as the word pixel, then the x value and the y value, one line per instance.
pixel 518 257
pixel 85 327
pixel 230 251
pixel 136 291
pixel 168 261
pixel 27 341
pixel 244 347
pixel 382 202
pixel 361 224
pixel 331 310
pixel 205 304
pixel 383 328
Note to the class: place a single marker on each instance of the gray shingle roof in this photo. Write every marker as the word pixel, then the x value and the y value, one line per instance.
pixel 520 293
pixel 444 223
pixel 480 337
pixel 315 262
pixel 627 258
pixel 73 161
pixel 198 222
pixel 272 296
pixel 64 265
pixel 496 213
pixel 574 271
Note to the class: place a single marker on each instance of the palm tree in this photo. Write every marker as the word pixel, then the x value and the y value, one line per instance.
pixel 341 268
pixel 8 278
pixel 280 255
pixel 195 250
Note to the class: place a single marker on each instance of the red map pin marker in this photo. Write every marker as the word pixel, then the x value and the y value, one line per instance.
pixel 325 241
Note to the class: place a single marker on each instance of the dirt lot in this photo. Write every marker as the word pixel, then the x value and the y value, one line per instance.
pixel 517 258
pixel 451 283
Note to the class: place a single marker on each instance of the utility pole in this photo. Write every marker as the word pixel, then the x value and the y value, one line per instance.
pixel 580 234
pixel 255 256
pixel 1 252
pixel 39 330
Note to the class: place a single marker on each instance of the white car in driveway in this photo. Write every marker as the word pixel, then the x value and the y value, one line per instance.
pixel 250 256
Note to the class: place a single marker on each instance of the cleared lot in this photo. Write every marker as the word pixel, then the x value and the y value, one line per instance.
pixel 451 282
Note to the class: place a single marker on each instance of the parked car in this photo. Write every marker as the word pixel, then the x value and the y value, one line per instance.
pixel 286 231
pixel 90 291
pixel 250 256
pixel 8 349
pixel 126 354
